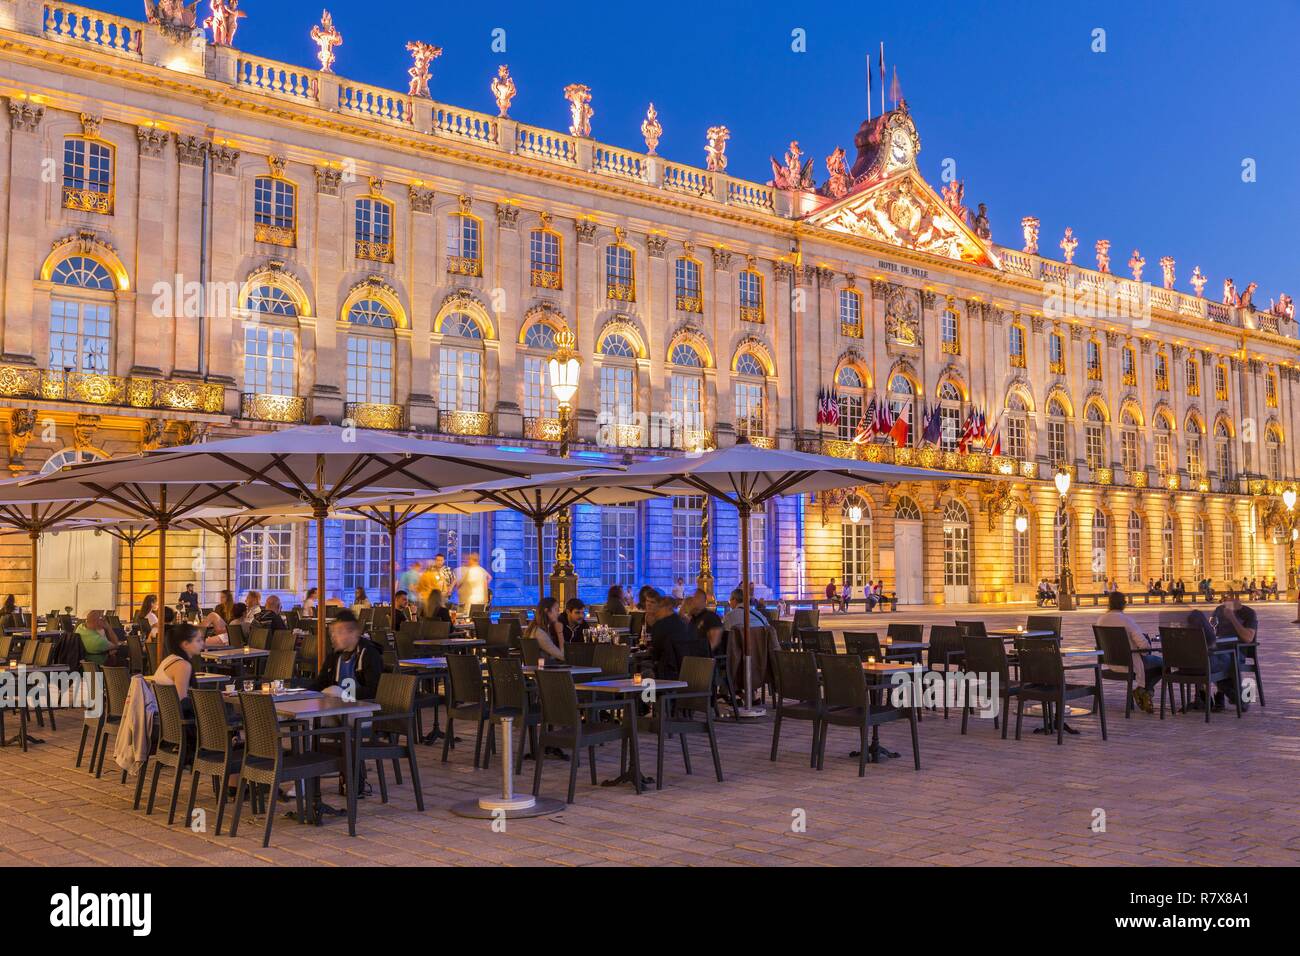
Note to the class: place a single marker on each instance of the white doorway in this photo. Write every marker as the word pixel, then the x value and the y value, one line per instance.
pixel 956 553
pixel 907 552
pixel 76 571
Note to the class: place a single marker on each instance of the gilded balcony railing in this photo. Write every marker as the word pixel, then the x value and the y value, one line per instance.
pixel 275 235
pixel 88 200
pixel 690 303
pixel 464 266
pixel 452 422
pixel 544 429
pixel 851 330
pixel 1103 476
pixel 694 439
pixel 258 406
pixel 375 415
pixel 374 250
pixel 618 291
pixel 1138 479
pixel 751 313
pixel 94 388
pixel 545 278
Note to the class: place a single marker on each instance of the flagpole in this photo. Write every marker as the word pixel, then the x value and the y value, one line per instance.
pixel 882 77
pixel 868 86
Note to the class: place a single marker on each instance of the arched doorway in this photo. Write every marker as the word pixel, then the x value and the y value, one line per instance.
pixel 77 568
pixel 956 553
pixel 907 552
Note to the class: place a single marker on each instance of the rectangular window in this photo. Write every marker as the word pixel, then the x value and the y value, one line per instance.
pixel 1162 373
pixel 618 546
pixel 264 559
pixel 460 376
pixel 1093 446
pixel 374 230
pixel 1094 360
pixel 948 333
pixel 80 336
pixel 687 392
pixel 1193 377
pixel 464 254
pixel 539 400
pixel 1020 555
pixel 1270 390
pixel 689 296
pixel 1017 444
pixel 1056 353
pixel 1221 382
pixel 1129 449
pixel 620 282
pixel 1162 452
pixel 544 259
pixel 1056 442
pixel 459 536
pixel 617 404
pixel 751 296
pixel 274 212
pixel 687 513
pixel 365 558
pixel 1134 550
pixel 529 581
pixel 749 409
pixel 269 367
pixel 1016 341
pixel 370 370
pixel 1128 365
pixel 1229 551
pixel 758 553
pixel 949 427
pixel 850 314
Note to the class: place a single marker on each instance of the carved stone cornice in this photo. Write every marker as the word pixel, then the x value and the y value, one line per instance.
pixel 507 216
pixel 420 198
pixel 152 141
pixel 25 116
pixel 328 180
pixel 190 150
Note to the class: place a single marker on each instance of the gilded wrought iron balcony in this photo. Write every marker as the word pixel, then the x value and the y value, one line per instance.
pixel 1138 478
pixel 261 407
pixel 751 313
pixel 275 235
pixel 466 423
pixel 464 266
pixel 950 348
pixel 375 415
pixel 1102 476
pixel 88 200
pixel 618 291
pixel 546 429
pixel 621 435
pixel 374 250
pixel 694 439
pixel 94 388
pixel 851 330
pixel 545 279
pixel 690 303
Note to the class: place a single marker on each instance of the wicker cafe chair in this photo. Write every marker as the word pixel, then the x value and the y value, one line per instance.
pixel 1043 678
pixel 117 684
pixel 1188 662
pixel 864 644
pixel 378 736
pixel 798 695
pixel 562 725
pixel 1117 659
pixel 945 652
pixel 987 656
pixel 466 700
pixel 1044 622
pixel 266 764
pixel 173 747
pixel 280 665
pixel 824 641
pixel 216 754
pixel 673 714
pixel 283 640
pixel 614 660
pixel 849 703
pixel 498 638
pixel 93 718
pixel 511 698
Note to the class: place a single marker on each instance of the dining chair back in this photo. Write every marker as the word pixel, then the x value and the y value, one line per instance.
pixel 864 644
pixel 912 633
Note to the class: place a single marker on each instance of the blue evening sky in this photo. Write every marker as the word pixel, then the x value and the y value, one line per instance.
pixel 1142 144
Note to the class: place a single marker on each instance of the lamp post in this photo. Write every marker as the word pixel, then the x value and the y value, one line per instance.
pixel 1289 520
pixel 1065 587
pixel 564 370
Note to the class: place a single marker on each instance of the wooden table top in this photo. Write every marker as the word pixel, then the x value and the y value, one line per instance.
pixel 324 706
pixel 34 668
pixel 575 669
pixel 629 686
pixel 234 654
pixel 427 663
pixel 885 667
pixel 1013 633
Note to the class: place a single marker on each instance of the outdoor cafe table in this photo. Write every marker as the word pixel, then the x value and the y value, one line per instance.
pixel 576 670
pixel 879 674
pixel 630 690
pixel 237 656
pixel 1070 661
pixel 911 650
pixel 424 663
pixel 1011 633
pixel 450 643
pixel 23 737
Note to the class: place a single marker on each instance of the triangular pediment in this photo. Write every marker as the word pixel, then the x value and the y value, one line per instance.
pixel 902 210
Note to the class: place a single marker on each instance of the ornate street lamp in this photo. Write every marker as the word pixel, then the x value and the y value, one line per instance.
pixel 564 369
pixel 1062 481
pixel 1022 524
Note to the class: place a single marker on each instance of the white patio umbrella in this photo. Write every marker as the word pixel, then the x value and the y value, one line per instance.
pixel 320 466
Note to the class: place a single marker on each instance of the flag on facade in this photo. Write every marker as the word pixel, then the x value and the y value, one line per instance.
pixel 969 432
pixel 832 408
pixel 864 431
pixel 895 91
pixel 993 444
pixel 884 419
pixel 932 434
pixel 900 431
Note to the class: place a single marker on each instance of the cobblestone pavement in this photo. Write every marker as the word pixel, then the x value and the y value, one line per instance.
pixel 1177 792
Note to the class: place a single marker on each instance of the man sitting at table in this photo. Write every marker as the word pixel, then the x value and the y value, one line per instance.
pixel 574 621
pixel 1144 661
pixel 1230 619
pixel 354 661
pixel 269 617
pixel 401 610
pixel 98 640
pixel 706 623
pixel 670 638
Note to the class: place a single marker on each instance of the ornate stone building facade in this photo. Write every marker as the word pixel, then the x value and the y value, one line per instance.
pixel 198 241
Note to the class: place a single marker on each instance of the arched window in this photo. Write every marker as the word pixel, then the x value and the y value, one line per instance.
pixel 1229 549
pixel 749 389
pixel 88 175
pixel 851 313
pixel 688 514
pixel 1167 549
pixel 1198 548
pixel 950 332
pixel 374 229
pixel 1164 445
pixel 270 342
pixel 81 316
pixel 70 456
pixel 1100 547
pixel 1058 451
pixel 370 352
pixel 1016 345
pixel 1020 546
pixel 1223 450
pixel 850 397
pixel 1094 360
pixel 275 215
pixel 1273 449
pixel 546 267
pixel 1061 533
pixel 902 400
pixel 464 245
pixel 539 400
pixel 1129 447
pixel 690 296
pixel 617 381
pixel 906 509
pixel 1134 548
pixel 749 292
pixel 950 429
pixel 460 365
pixel 1195 460
pixel 956 545
pixel 686 395
pixel 1016 425
pixel 855 541
pixel 1094 436
pixel 620 274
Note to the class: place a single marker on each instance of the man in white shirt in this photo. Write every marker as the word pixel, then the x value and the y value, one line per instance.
pixel 1144 660
pixel 472 580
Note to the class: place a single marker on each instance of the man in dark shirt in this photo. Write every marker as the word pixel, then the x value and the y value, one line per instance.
pixel 705 623
pixel 401 610
pixel 671 639
pixel 354 663
pixel 190 598
pixel 269 617
pixel 574 621
pixel 1230 619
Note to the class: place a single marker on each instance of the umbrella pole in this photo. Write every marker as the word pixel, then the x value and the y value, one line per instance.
pixel 35 534
pixel 227 535
pixel 130 576
pixel 748 710
pixel 392 562
pixel 320 514
pixel 539 523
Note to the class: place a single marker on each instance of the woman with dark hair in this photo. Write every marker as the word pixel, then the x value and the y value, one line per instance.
pixel 614 600
pixel 10 606
pixel 547 629
pixel 183 642
pixel 435 608
pixel 225 607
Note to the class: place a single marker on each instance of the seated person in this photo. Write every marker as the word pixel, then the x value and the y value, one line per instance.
pixel 215 629
pixel 735 616
pixel 614 605
pixel 671 640
pixel 401 610
pixel 270 617
pixel 548 630
pixel 98 640
pixel 435 608
pixel 225 606
pixel 846 595
pixel 574 621
pixel 1145 660
pixel 706 623
pixel 353 658
pixel 252 608
pixel 832 592
pixel 183 643
pixel 1230 619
